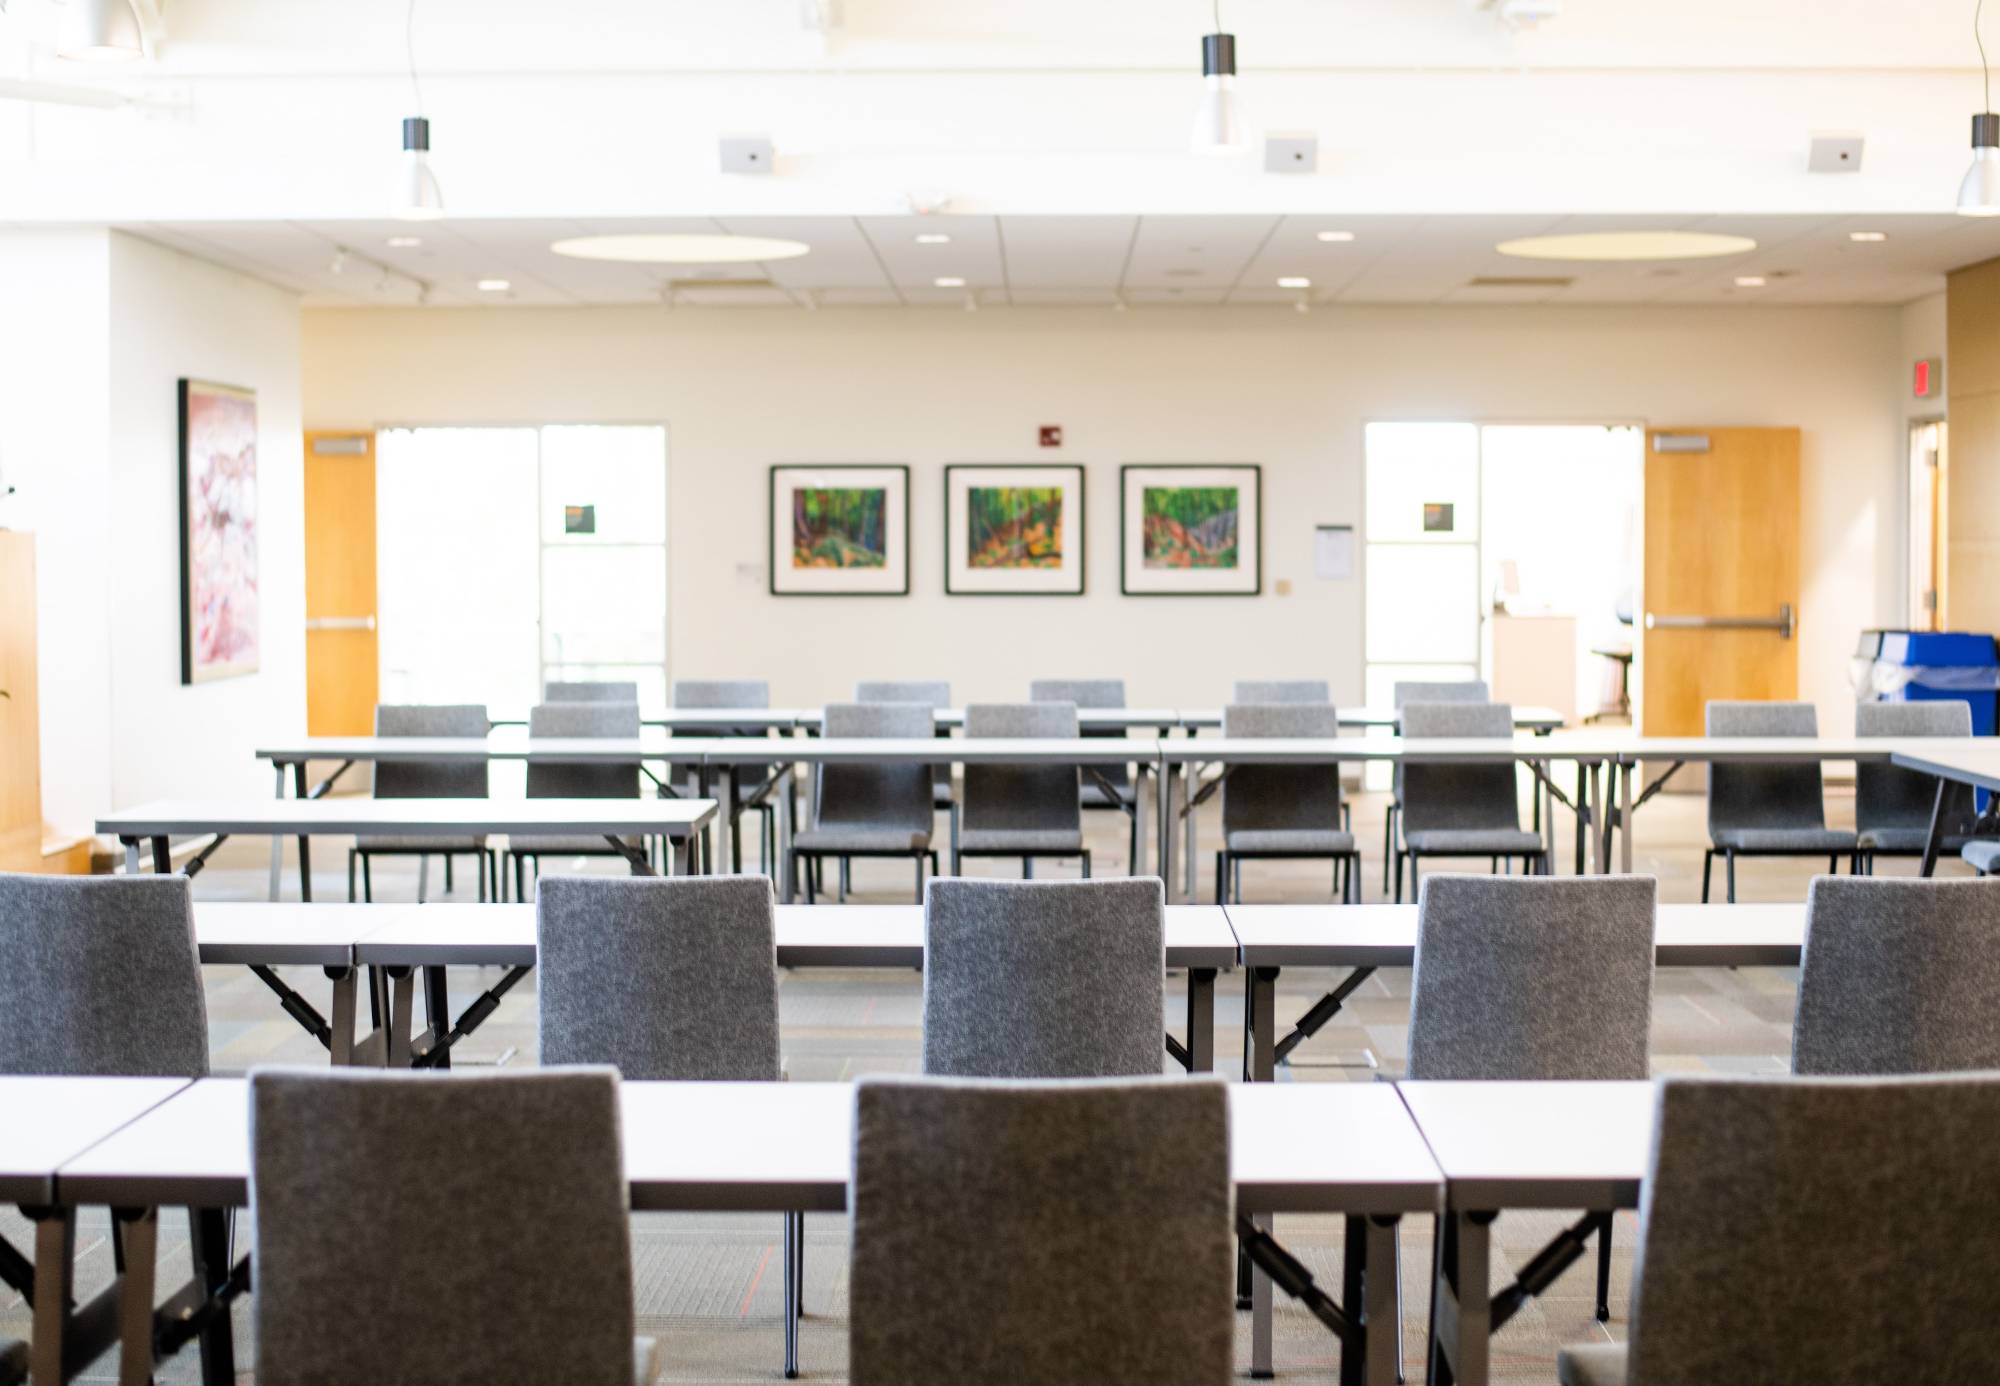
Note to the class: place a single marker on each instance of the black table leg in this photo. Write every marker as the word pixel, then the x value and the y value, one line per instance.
pixel 1201 1020
pixel 1936 835
pixel 212 1235
pixel 1353 1265
pixel 163 857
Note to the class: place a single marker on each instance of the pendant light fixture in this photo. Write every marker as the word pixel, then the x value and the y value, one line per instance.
pixel 418 197
pixel 101 31
pixel 1221 126
pixel 1979 191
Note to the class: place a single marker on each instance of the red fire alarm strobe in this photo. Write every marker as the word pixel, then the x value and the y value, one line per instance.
pixel 1928 380
pixel 1051 435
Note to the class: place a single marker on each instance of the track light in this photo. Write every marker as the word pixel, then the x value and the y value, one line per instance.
pixel 101 31
pixel 1221 126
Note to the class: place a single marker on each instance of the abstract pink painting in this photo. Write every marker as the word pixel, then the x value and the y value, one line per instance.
pixel 218 532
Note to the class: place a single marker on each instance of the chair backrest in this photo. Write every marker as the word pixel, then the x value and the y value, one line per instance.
pixel 1080 692
pixel 722 693
pixel 1022 797
pixel 1044 979
pixel 99 976
pixel 1041 1232
pixel 400 1216
pixel 593 691
pixel 884 794
pixel 1888 796
pixel 590 721
pixel 1532 977
pixel 1281 691
pixel 1749 794
pixel 433 779
pixel 659 977
pixel 932 693
pixel 1407 691
pixel 1472 796
pixel 1819 1230
pixel 1280 797
pixel 1899 976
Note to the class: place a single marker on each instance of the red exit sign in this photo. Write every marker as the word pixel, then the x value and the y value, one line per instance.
pixel 1928 380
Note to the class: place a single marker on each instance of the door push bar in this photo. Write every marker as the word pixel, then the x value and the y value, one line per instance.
pixel 1783 623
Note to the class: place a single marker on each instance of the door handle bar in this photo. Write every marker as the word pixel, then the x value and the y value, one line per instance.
pixel 1783 623
pixel 340 623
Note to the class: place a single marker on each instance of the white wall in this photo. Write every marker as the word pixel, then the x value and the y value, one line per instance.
pixel 99 327
pixel 742 390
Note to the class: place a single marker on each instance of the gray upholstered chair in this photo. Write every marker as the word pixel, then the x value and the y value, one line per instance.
pixel 427 779
pixel 449 1229
pixel 1024 811
pixel 1899 976
pixel 1982 855
pixel 1106 788
pixel 592 691
pixel 1044 979
pixel 879 809
pixel 1813 1232
pixel 1419 691
pixel 1892 806
pixel 1276 811
pixel 1536 980
pixel 1466 809
pixel 99 976
pixel 1281 691
pixel 753 786
pixel 934 694
pixel 1041 1232
pixel 557 780
pixel 1766 809
pixel 667 979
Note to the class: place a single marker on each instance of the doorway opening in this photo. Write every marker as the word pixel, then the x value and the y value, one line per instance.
pixel 1928 478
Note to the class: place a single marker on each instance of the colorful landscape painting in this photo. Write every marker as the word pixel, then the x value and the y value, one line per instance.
pixel 1014 527
pixel 844 527
pixel 219 622
pixel 1190 526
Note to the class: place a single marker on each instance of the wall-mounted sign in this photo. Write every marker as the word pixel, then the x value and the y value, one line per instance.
pixel 1927 382
pixel 1333 552
pixel 1438 517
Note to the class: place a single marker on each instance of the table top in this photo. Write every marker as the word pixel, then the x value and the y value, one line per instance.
pixel 1762 935
pixel 410 935
pixel 1536 1145
pixel 958 750
pixel 1807 748
pixel 1290 750
pixel 570 750
pixel 48 1121
pixel 289 817
pixel 1977 763
pixel 767 1147
pixel 1525 718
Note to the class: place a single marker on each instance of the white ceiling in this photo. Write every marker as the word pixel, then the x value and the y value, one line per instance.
pixel 1091 260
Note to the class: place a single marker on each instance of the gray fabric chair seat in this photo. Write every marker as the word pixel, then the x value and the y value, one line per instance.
pixel 1902 840
pixel 1007 840
pixel 393 842
pixel 1314 841
pixel 1594 1364
pixel 1473 842
pixel 1982 853
pixel 560 845
pixel 854 837
pixel 1800 840
pixel 1094 795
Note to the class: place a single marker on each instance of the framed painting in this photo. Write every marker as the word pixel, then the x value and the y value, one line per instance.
pixel 1191 530
pixel 1013 530
pixel 841 530
pixel 218 464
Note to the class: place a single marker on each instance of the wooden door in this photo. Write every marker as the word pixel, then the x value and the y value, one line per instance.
pixel 341 671
pixel 20 725
pixel 1721 592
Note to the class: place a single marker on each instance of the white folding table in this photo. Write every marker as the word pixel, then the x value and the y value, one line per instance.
pixel 779 1147
pixel 1519 1145
pixel 1365 937
pixel 1534 719
pixel 1976 764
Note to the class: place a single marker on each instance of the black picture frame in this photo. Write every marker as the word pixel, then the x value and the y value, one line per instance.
pixel 902 472
pixel 1081 529
pixel 1125 520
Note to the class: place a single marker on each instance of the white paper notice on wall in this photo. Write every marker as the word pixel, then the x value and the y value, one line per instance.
pixel 1333 552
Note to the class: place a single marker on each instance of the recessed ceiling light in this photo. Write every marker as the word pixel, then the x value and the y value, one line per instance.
pixel 949 281
pixel 405 242
pixel 1627 245
pixel 1749 281
pixel 653 248
pixel 932 238
pixel 1333 236
pixel 494 286
pixel 1294 281
pixel 1868 236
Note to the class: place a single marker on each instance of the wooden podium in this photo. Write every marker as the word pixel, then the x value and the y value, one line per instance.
pixel 24 843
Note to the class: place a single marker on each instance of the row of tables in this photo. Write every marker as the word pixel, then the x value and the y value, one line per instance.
pixel 1373 1152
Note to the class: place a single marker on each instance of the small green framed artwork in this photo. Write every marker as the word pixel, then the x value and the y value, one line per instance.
pixel 1013 530
pixel 1191 529
pixel 840 530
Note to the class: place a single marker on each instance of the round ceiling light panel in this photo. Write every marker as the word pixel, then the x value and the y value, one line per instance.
pixel 1627 245
pixel 657 248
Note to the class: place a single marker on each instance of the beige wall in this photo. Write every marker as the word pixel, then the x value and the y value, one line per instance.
pixel 744 389
pixel 1972 390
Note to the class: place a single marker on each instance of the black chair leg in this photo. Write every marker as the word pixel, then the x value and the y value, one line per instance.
pixel 367 882
pixel 812 881
pixel 1707 869
pixel 447 873
pixel 1086 865
pixel 1604 1269
pixel 1729 868
pixel 1833 866
pixel 350 875
pixel 1388 845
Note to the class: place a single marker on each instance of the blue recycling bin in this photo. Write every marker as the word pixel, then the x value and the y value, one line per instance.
pixel 1930 666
